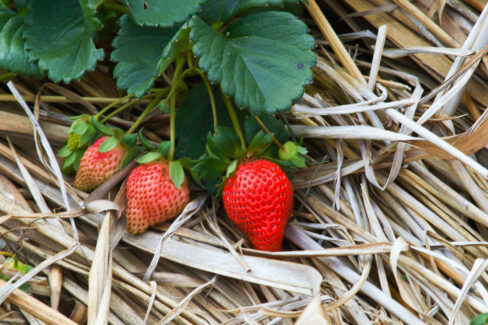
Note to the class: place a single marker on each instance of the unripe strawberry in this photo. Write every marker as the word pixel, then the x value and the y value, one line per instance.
pixel 152 197
pixel 97 167
pixel 258 199
pixel 73 141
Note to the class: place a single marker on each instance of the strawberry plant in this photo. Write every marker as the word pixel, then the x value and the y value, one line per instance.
pixel 220 69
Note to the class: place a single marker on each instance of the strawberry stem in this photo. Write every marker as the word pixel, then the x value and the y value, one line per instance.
pixel 123 107
pixel 177 78
pixel 146 111
pixel 106 108
pixel 6 76
pixel 212 98
pixel 267 131
pixel 234 119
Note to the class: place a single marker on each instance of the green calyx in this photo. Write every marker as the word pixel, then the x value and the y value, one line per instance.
pixel 293 153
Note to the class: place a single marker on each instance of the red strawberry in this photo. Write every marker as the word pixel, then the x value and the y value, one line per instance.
pixel 97 167
pixel 152 197
pixel 258 198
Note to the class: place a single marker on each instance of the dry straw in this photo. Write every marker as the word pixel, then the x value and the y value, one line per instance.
pixel 390 218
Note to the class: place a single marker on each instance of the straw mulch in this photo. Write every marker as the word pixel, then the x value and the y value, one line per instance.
pixel 389 224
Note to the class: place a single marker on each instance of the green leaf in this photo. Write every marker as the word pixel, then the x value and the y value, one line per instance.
pixel 164 13
pixel 74 159
pixel 263 61
pixel 138 53
pixel 88 136
pixel 247 4
pixel 79 127
pixel 221 10
pixel 214 149
pixel 129 139
pixel 481 319
pixel 13 56
pixel 209 167
pixel 145 142
pixel 164 147
pixel 260 142
pixel 228 140
pixel 102 127
pixel 148 157
pixel 231 168
pixel 59 35
pixel 176 173
pixel 174 46
pixel 130 155
pixel 188 164
pixel 108 144
pixel 275 126
pixel 64 152
pixel 194 121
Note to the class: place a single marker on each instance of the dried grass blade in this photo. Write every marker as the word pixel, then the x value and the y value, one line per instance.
pixel 354 289
pixel 314 313
pixel 359 132
pixel 190 210
pixel 45 143
pixel 398 53
pixel 31 185
pixel 285 275
pixel 375 64
pixel 305 242
pixel 154 288
pixel 36 308
pixel 178 309
pixel 5 291
pixel 431 137
pixel 100 276
pixel 479 266
pixel 476 40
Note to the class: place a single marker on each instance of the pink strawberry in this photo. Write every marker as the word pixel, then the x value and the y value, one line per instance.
pixel 152 197
pixel 258 198
pixel 97 167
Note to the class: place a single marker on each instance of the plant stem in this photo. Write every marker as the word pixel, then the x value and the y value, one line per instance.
pixel 269 132
pixel 234 119
pixel 146 111
pixel 177 78
pixel 172 128
pixel 106 108
pixel 212 98
pixel 7 76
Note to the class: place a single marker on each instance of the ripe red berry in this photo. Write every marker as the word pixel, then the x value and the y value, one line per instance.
pixel 258 199
pixel 152 197
pixel 97 167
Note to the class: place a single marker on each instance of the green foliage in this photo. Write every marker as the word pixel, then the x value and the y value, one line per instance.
pixel 263 60
pixel 164 13
pixel 63 46
pixel 253 52
pixel 138 53
pixel 13 57
pixel 481 319
pixel 109 144
pixel 176 173
pixel 194 121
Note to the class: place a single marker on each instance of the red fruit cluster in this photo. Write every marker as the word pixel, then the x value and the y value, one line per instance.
pixel 97 167
pixel 258 199
pixel 152 196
